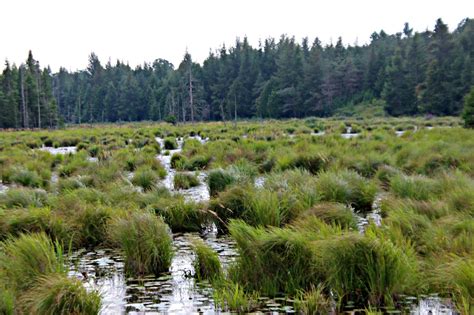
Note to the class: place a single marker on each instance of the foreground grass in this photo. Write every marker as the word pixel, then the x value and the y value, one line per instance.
pixel 35 274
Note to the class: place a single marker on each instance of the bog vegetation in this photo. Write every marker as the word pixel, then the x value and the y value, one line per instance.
pixel 298 197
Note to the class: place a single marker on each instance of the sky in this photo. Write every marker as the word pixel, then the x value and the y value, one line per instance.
pixel 65 32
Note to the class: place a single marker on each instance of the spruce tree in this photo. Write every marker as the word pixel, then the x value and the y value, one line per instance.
pixel 468 112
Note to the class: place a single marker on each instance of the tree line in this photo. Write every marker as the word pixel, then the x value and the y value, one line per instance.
pixel 411 73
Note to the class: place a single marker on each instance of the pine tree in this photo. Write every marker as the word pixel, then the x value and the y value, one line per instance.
pixel 468 112
pixel 313 80
pixel 399 92
pixel 438 96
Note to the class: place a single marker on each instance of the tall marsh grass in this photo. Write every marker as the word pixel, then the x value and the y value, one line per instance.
pixel 206 264
pixel 57 294
pixel 145 240
pixel 346 187
pixel 26 258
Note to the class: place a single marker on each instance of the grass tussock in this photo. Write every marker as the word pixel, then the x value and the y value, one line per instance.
pixel 414 187
pixel 369 270
pixel 365 269
pixel 206 264
pixel 170 144
pixel 23 198
pixel 232 297
pixel 34 220
pixel 333 213
pixel 185 181
pixel 145 178
pixel 58 294
pixel 145 241
pixel 456 278
pixel 313 301
pixel 180 215
pixel 26 258
pixel 218 181
pixel 346 187
pixel 93 223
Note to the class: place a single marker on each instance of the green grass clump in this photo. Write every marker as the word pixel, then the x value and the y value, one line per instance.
pixel 456 278
pixel 145 178
pixel 178 161
pixel 311 163
pixel 232 297
pixel 219 180
pixel 34 220
pixel 94 150
pixel 346 187
pixel 333 213
pixel 206 264
pixel 23 198
pixel 181 216
pixel 7 301
pixel 414 187
pixel 26 258
pixel 146 242
pixel 92 225
pixel 69 184
pixel 275 260
pixel 58 294
pixel 198 162
pixel 366 269
pixel 462 200
pixel 26 178
pixel 185 181
pixel 369 270
pixel 73 164
pixel 170 144
pixel 266 207
pixel 230 204
pixel 313 301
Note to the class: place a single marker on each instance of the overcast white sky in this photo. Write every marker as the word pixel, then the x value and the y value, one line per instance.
pixel 64 32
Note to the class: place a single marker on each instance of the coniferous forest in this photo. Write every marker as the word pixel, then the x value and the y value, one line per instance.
pixel 407 73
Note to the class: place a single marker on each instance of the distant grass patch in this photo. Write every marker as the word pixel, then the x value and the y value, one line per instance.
pixel 185 181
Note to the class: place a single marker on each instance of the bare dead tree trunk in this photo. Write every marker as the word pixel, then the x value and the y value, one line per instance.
pixel 221 107
pixel 23 101
pixel 173 104
pixel 159 110
pixel 235 110
pixel 183 108
pixel 38 88
pixel 191 103
pixel 79 108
